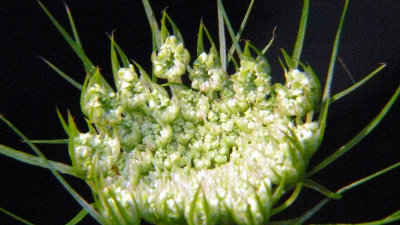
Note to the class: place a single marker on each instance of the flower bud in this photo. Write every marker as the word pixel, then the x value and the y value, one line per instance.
pixel 171 60
pixel 207 76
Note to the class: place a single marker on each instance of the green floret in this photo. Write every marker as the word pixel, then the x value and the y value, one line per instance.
pixel 299 95
pixel 131 90
pixel 95 155
pixel 171 60
pixel 207 75
pixel 252 82
pixel 99 102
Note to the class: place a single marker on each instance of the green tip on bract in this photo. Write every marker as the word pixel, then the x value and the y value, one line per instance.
pixel 225 149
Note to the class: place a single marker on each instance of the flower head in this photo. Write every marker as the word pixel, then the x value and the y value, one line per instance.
pixel 204 155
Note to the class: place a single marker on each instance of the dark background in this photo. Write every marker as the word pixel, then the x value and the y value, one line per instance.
pixel 30 91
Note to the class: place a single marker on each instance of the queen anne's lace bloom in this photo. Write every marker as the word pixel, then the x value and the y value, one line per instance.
pixel 208 155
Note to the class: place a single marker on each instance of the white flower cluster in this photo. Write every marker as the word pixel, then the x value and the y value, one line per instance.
pixel 99 102
pixel 299 95
pixel 208 155
pixel 171 60
pixel 206 75
pixel 95 155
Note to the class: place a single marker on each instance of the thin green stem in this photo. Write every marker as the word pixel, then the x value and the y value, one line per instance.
pixel 321 189
pixel 74 194
pixel 15 217
pixel 62 74
pixel 35 161
pixel 389 219
pixel 301 33
pixel 230 29
pixel 342 190
pixel 241 28
pixel 289 201
pixel 221 35
pixel 355 140
pixel 358 84
pixel 153 23
pixel 75 44
pixel 334 55
pixel 78 218
pixel 55 141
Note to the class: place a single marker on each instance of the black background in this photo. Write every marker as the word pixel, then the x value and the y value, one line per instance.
pixel 30 91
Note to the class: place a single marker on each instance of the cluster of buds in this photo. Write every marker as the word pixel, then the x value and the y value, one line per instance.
pixel 207 154
pixel 207 76
pixel 171 60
